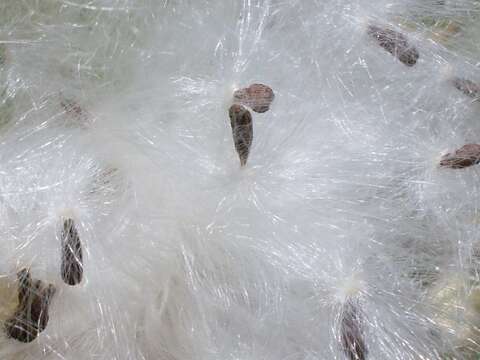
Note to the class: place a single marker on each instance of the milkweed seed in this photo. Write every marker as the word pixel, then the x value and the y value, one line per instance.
pixel 395 43
pixel 258 97
pixel 72 258
pixel 242 131
pixel 468 87
pixel 31 316
pixel 466 156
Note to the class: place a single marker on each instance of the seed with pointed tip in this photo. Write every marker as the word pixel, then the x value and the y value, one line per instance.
pixel 72 259
pixel 242 131
pixel 468 87
pixel 395 43
pixel 351 333
pixel 258 97
pixel 31 316
pixel 466 156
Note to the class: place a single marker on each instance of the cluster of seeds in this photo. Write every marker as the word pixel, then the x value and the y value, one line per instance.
pixel 468 154
pixel 257 97
pixel 34 296
pixel 398 45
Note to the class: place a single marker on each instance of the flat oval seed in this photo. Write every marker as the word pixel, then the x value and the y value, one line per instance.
pixel 31 316
pixel 466 156
pixel 468 87
pixel 3 55
pixel 395 43
pixel 258 97
pixel 72 258
pixel 242 131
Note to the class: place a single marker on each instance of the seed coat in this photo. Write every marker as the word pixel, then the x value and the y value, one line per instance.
pixel 72 257
pixel 242 131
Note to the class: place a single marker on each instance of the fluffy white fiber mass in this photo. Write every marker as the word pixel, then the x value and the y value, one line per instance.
pixel 341 238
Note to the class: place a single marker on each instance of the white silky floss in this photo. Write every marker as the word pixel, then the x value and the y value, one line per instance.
pixel 342 237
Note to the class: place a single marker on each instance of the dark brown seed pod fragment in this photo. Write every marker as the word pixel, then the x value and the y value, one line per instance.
pixel 466 156
pixel 31 316
pixel 395 43
pixel 468 87
pixel 258 97
pixel 353 343
pixel 72 259
pixel 242 131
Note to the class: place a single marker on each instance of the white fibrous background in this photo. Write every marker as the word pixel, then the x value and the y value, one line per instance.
pixel 341 238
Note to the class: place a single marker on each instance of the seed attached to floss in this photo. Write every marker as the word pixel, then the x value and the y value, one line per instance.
pixel 468 87
pixel 3 55
pixel 72 259
pixel 395 43
pixel 75 111
pixel 31 316
pixel 466 156
pixel 242 131
pixel 258 97
pixel 353 343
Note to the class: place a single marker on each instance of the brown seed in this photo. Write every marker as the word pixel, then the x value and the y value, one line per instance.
pixel 242 131
pixel 466 156
pixel 468 87
pixel 258 97
pixel 395 43
pixel 31 316
pixel 72 259
pixel 75 111
pixel 3 55
pixel 353 343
